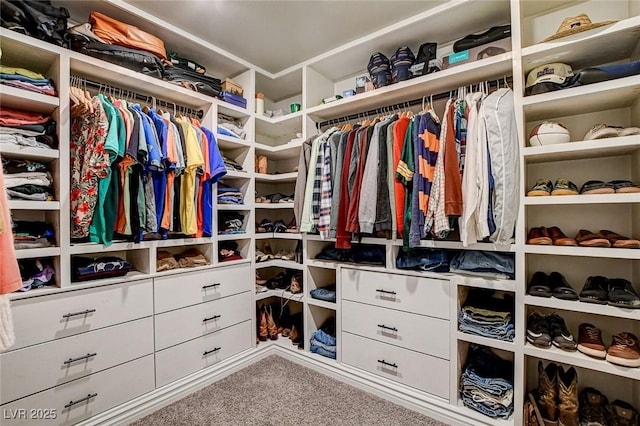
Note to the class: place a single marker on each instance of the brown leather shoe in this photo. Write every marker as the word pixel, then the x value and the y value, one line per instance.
pixel 618 241
pixel 587 238
pixel 539 236
pixel 624 350
pixel 262 328
pixel 568 397
pixel 559 238
pixel 547 393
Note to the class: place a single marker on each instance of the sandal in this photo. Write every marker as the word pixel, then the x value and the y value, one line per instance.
pixel 597 187
pixel 543 187
pixel 590 239
pixel 261 256
pixel 618 241
pixel 292 227
pixel 625 186
pixel 265 226
pixel 564 187
pixel 279 226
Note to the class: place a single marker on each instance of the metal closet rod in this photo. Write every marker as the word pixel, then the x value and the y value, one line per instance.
pixel 85 82
pixel 390 108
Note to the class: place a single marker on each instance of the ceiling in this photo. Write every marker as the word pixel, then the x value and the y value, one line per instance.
pixel 276 34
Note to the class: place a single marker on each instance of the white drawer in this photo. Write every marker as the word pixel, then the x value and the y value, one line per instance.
pixel 180 290
pixel 426 296
pixel 181 360
pixel 108 388
pixel 424 372
pixel 417 332
pixel 45 318
pixel 188 323
pixel 36 368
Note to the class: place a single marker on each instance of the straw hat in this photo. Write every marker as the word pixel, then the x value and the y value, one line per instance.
pixel 576 24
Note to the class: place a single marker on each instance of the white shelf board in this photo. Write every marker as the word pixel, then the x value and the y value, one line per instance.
pixel 230 142
pixel 280 293
pixel 264 235
pixel 28 152
pixel 619 93
pixel 612 253
pixel 14 97
pixel 320 303
pixel 274 205
pixel 318 263
pixel 85 248
pixel 609 44
pixel 438 82
pixel 37 252
pixel 180 242
pixel 485 341
pixel 132 275
pixel 583 199
pixel 598 148
pixel 278 263
pixel 481 282
pixel 278 126
pixel 231 237
pixel 282 177
pixel 280 152
pixel 232 110
pixel 457 245
pixel 316 237
pixel 579 359
pixel 278 236
pixel 183 270
pixel 482 418
pixel 33 205
pixel 234 262
pixel 232 207
pixel 236 174
pixel 577 306
pixel 285 86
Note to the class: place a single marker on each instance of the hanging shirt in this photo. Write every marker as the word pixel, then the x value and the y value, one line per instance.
pixel 217 171
pixel 399 133
pixel 195 161
pixel 453 181
pixel 343 240
pixel 405 173
pixel 10 279
pixel 436 221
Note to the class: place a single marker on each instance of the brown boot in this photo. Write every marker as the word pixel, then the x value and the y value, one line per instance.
pixel 272 329
pixel 568 397
pixel 262 325
pixel 547 393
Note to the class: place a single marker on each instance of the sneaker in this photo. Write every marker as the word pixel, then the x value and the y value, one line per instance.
pixel 538 333
pixel 593 408
pixel 595 290
pixel 540 286
pixel 590 341
pixel 543 187
pixel 560 335
pixel 622 294
pixel 624 350
pixel 622 414
pixel 564 187
pixel 602 131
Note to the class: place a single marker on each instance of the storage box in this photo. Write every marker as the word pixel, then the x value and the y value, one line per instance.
pixel 231 86
pixel 480 52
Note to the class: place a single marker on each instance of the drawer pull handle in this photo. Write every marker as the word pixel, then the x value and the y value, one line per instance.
pixel 211 351
pixel 211 318
pixel 384 327
pixel 386 292
pixel 75 314
pixel 86 398
pixel 383 362
pixel 87 356
pixel 204 287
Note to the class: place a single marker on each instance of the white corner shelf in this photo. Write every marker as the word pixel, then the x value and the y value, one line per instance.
pixel 233 207
pixel 579 150
pixel 485 341
pixel 230 142
pixel 282 177
pixel 278 236
pixel 33 205
pixel 14 97
pixel 231 237
pixel 283 294
pixel 578 359
pixel 274 206
pixel 583 199
pixel 277 126
pixel 236 174
pixel 278 263
pixel 320 303
pixel 612 253
pixel 28 152
pixel 577 306
pixel 319 263
pixel 37 252
pixel 232 110
pixel 280 152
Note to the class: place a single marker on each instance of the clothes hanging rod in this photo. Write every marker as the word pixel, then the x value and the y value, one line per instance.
pixel 390 108
pixel 126 93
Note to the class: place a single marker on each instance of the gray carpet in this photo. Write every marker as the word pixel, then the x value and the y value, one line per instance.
pixel 275 391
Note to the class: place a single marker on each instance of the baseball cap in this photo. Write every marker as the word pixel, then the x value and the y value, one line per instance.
pixel 557 73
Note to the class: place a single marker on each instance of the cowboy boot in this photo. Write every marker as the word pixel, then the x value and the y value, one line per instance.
pixel 262 325
pixel 568 397
pixel 547 393
pixel 272 329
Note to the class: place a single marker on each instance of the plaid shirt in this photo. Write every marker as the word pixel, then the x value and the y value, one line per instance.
pixel 325 195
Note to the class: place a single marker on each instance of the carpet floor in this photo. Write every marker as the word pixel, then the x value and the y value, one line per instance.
pixel 275 391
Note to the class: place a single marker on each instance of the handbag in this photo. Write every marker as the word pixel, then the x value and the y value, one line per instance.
pixel 113 31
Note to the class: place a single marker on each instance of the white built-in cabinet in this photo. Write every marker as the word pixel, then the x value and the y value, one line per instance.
pixel 165 361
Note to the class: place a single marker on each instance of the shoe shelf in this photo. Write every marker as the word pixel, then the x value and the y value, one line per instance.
pixel 27 152
pixel 278 263
pixel 613 43
pixel 614 253
pixel 278 236
pixel 230 142
pixel 280 152
pixel 610 147
pixel 274 205
pixel 577 306
pixel 37 252
pixel 619 93
pixel 33 205
pixel 283 294
pixel 578 359
pixel 276 178
pixel 583 199
pixel 277 128
pixel 485 341
pixel 14 97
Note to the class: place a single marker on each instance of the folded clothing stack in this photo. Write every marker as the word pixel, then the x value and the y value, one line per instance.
pixel 28 234
pixel 229 195
pixel 27 129
pixel 230 126
pixel 323 340
pixel 328 293
pixel 231 223
pixel 228 251
pixel 487 383
pixel 27 180
pixel 165 261
pixel 87 268
pixel 230 164
pixel 362 253
pixel 422 259
pixel 488 315
pixel 485 264
pixel 191 258
pixel 36 273
pixel 27 80
pixel 233 99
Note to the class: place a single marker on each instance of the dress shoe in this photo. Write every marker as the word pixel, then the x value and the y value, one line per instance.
pixel 539 236
pixel 559 238
pixel 595 290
